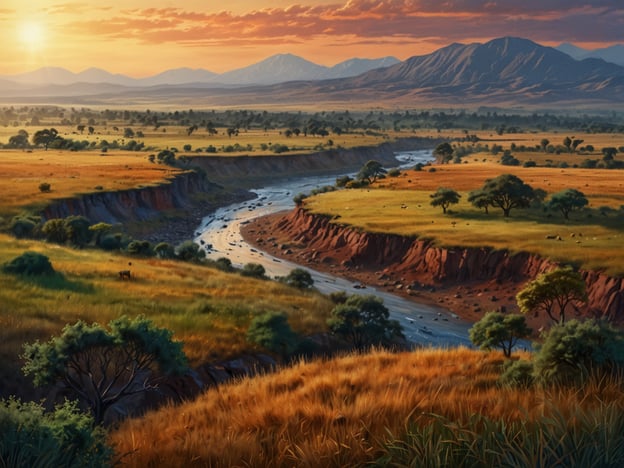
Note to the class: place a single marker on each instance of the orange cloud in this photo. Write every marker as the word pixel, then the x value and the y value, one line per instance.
pixel 444 20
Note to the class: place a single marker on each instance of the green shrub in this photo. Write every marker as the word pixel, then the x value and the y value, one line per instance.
pixel 189 251
pixel 24 226
pixel 272 331
pixel 64 437
pixel 224 264
pixel 30 264
pixel 571 351
pixel 44 187
pixel 299 278
pixel 517 374
pixel 254 270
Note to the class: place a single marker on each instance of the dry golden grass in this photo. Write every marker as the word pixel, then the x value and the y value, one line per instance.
pixel 379 210
pixel 71 173
pixel 333 413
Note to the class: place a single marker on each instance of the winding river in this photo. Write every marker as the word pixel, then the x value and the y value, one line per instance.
pixel 219 234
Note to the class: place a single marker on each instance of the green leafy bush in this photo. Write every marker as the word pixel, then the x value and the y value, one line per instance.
pixel 272 331
pixel 299 278
pixel 254 270
pixel 517 374
pixel 30 264
pixel 571 351
pixel 64 437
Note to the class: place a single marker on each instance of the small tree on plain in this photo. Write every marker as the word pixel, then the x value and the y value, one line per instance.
pixel 480 199
pixel 508 191
pixel 496 330
pixel 568 200
pixel 102 367
pixel 444 197
pixel 551 292
pixel 371 171
pixel 443 152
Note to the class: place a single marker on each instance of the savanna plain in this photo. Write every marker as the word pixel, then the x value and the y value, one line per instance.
pixel 197 362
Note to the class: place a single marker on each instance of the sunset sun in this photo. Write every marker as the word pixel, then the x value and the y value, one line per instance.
pixel 31 35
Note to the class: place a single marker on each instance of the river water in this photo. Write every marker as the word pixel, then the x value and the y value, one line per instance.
pixel 219 235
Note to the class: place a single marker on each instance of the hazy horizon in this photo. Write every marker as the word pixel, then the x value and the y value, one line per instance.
pixel 140 38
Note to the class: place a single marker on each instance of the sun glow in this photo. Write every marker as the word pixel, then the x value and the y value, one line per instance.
pixel 31 35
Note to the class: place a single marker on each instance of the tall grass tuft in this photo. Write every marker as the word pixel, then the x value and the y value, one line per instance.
pixel 588 438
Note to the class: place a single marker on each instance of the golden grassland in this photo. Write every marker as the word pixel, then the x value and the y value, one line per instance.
pixel 207 309
pixel 379 209
pixel 338 412
pixel 70 174
pixel 168 137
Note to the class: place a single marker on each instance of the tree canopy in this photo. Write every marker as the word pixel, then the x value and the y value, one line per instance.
pixel 45 137
pixel 480 199
pixel 508 191
pixel 102 366
pixel 552 292
pixel 443 152
pixel 568 200
pixel 496 330
pixel 444 197
pixel 364 321
pixel 371 171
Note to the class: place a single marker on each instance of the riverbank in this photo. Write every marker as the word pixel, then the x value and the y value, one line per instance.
pixel 468 300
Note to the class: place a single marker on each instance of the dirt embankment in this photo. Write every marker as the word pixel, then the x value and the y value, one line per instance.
pixel 468 281
pixel 250 170
pixel 176 207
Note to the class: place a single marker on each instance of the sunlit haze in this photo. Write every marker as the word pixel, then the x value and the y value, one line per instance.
pixel 141 37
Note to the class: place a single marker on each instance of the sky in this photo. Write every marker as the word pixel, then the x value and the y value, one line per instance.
pixel 140 38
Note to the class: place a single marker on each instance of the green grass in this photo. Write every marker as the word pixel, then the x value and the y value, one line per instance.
pixel 207 309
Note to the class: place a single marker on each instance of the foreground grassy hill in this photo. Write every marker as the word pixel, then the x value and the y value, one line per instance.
pixel 349 411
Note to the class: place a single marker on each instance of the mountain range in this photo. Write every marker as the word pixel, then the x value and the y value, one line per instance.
pixel 276 69
pixel 503 71
pixel 613 54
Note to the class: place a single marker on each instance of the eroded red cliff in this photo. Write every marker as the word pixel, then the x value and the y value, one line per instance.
pixel 421 261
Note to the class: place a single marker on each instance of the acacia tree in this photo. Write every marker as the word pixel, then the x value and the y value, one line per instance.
pixel 480 199
pixel 45 137
pixel 364 321
pixel 443 152
pixel 496 330
pixel 102 367
pixel 444 197
pixel 568 200
pixel 371 171
pixel 551 292
pixel 508 191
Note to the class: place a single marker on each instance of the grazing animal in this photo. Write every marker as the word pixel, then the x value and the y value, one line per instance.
pixel 125 274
